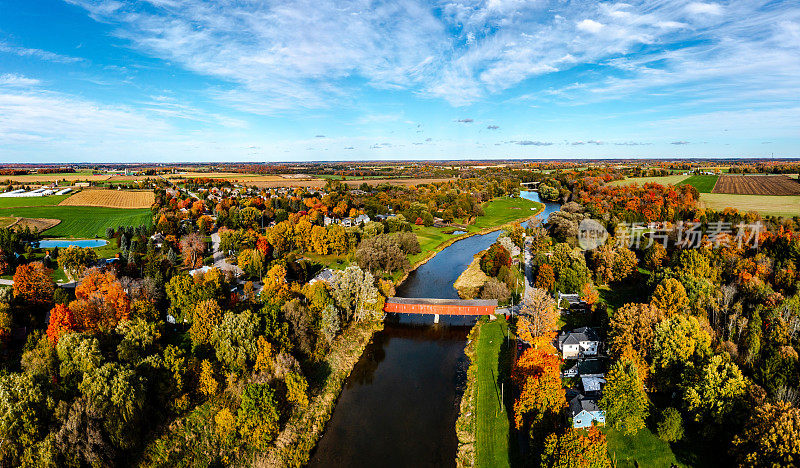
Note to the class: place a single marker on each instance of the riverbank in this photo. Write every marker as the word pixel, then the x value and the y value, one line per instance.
pixel 297 440
pixel 483 427
pixel 500 222
pixel 470 282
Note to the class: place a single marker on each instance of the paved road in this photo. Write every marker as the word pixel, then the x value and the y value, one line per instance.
pixel 219 257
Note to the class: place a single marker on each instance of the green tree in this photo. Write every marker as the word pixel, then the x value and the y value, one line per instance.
pixel 257 416
pixel 678 341
pixel 118 394
pixel 670 425
pixel 624 400
pixel 138 340
pixel 73 260
pixel 24 414
pixel 235 340
pixel 717 390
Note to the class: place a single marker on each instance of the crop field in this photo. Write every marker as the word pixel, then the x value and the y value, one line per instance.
pixel 703 183
pixel 13 202
pixel 81 221
pixel 786 206
pixel 47 178
pixel 757 185
pixel 35 224
pixel 663 180
pixel 111 199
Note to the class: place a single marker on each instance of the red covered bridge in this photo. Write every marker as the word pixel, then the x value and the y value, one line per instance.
pixel 408 305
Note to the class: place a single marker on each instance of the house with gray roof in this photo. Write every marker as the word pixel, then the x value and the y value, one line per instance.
pixel 578 343
pixel 585 412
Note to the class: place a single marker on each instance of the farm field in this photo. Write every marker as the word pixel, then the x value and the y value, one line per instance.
pixel 46 178
pixel 757 185
pixel 111 199
pixel 703 183
pixel 13 202
pixel 771 205
pixel 82 221
pixel 663 180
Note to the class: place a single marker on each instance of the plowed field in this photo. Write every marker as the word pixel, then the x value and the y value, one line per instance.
pixel 757 185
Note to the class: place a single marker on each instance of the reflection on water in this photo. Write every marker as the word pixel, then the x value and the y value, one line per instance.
pixel 400 403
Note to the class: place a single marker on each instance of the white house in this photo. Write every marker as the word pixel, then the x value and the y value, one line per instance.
pixel 578 343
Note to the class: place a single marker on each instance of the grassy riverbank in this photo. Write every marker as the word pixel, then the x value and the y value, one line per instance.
pixel 483 427
pixel 300 435
pixel 470 282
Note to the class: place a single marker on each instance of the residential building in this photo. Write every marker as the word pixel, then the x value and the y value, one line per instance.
pixel 585 412
pixel 578 343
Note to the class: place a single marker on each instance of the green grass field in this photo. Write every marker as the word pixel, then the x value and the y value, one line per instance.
pixel 773 205
pixel 492 428
pixel 663 180
pixel 504 210
pixel 13 202
pixel 642 449
pixel 703 183
pixel 82 221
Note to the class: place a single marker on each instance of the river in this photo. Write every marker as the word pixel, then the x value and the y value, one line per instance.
pixel 400 403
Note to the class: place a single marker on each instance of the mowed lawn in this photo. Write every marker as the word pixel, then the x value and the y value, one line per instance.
pixel 13 202
pixel 642 449
pixel 82 221
pixel 772 205
pixel 492 427
pixel 703 183
pixel 663 180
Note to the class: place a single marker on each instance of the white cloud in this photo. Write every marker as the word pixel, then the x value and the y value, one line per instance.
pixel 17 81
pixel 591 26
pixel 698 8
pixel 37 53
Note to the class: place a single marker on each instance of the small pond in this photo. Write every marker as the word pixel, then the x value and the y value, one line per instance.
pixel 64 243
pixel 458 233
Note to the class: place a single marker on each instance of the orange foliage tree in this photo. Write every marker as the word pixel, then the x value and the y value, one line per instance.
pixel 61 321
pixel 33 285
pixel 537 374
pixel 539 315
pixel 101 301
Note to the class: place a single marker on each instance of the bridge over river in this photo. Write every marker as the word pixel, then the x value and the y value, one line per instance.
pixel 436 307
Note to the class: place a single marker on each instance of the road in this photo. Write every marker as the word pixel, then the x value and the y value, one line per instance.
pixel 219 257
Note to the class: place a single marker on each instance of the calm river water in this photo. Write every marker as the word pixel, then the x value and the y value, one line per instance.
pixel 400 403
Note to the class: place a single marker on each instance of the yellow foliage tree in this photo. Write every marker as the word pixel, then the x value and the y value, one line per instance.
pixel 208 382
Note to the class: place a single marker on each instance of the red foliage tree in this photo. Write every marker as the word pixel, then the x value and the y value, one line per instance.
pixel 62 320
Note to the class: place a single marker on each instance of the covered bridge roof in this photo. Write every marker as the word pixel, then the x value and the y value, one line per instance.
pixel 453 302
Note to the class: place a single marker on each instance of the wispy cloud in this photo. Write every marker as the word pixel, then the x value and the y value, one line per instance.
pixel 492 127
pixel 531 143
pixel 679 142
pixel 37 53
pixel 465 120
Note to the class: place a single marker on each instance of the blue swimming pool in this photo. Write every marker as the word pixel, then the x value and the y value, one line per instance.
pixel 64 243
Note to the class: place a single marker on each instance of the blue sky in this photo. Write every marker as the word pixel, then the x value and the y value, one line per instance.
pixel 248 80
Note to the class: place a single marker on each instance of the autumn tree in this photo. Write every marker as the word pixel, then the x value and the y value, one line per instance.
pixel 670 425
pixel 208 384
pixel 576 449
pixel 206 318
pixel 33 285
pixel 677 342
pixel 670 297
pixel 251 261
pixel 101 301
pixel 192 247
pixel 61 321
pixel 539 314
pixel 589 294
pixel 545 277
pixel 541 395
pixel 296 389
pixel 495 258
pixel 770 438
pixel 633 326
pixel 624 399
